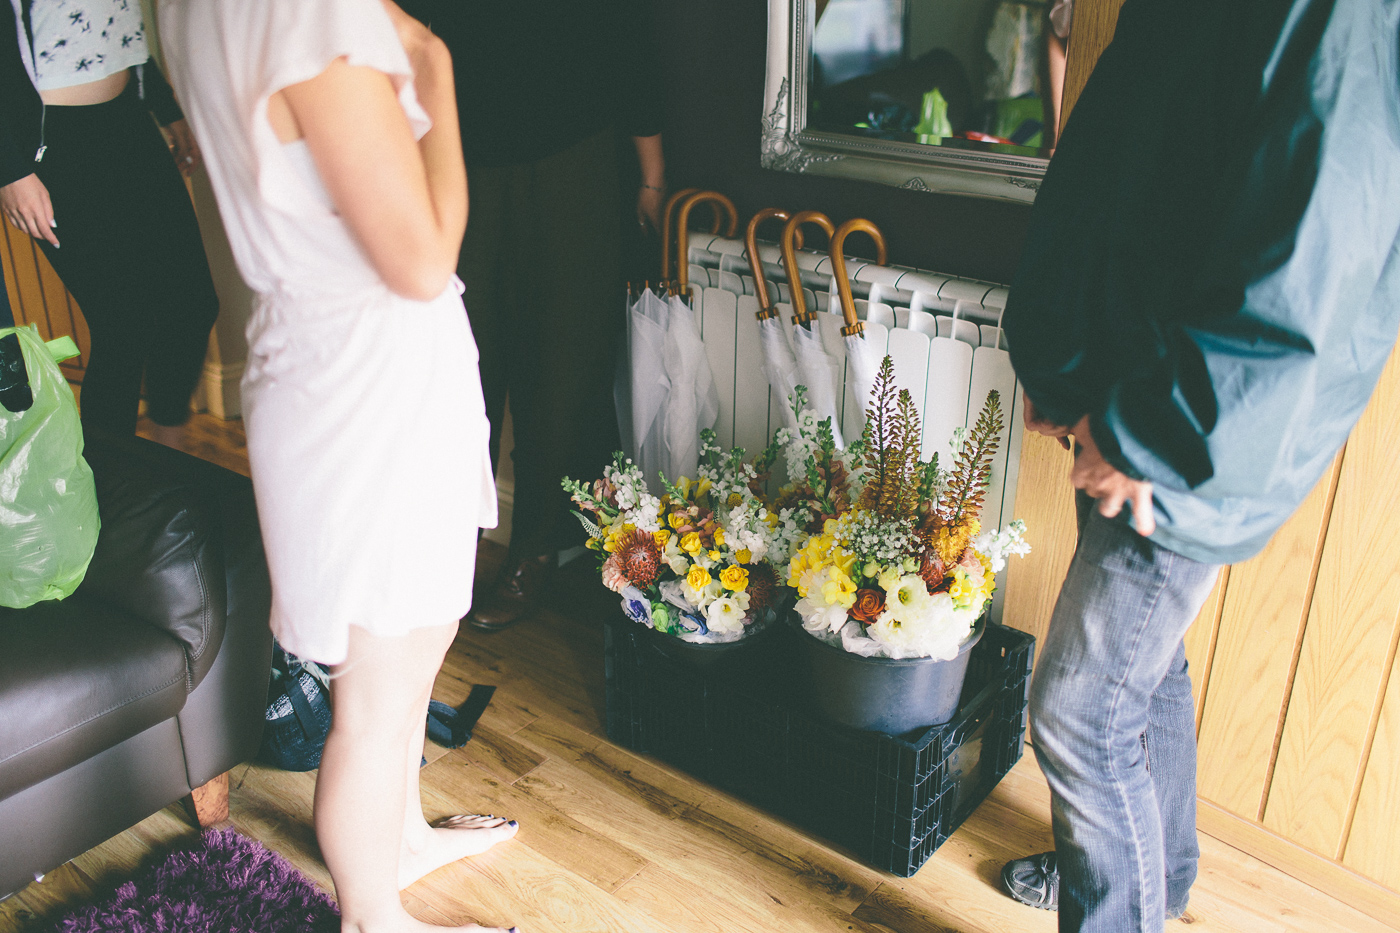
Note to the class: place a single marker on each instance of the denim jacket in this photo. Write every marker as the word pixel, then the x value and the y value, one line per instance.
pixel 1212 269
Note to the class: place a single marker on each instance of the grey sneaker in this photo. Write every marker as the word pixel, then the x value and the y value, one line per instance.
pixel 1033 880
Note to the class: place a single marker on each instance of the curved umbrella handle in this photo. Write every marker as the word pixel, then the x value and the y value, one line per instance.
pixel 671 203
pixel 760 284
pixel 790 230
pixel 838 268
pixel 720 202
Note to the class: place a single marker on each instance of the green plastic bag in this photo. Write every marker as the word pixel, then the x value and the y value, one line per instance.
pixel 48 504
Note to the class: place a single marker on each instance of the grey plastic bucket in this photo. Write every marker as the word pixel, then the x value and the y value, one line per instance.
pixel 887 695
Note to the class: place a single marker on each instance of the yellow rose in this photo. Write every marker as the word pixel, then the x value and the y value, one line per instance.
pixel 719 537
pixel 661 537
pixel 675 519
pixel 716 555
pixel 734 578
pixel 743 555
pixel 691 543
pixel 698 578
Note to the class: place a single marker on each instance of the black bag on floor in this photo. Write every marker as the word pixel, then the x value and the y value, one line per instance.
pixel 298 714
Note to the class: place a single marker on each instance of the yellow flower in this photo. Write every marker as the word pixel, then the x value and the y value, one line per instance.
pixel 675 519
pixel 719 537
pixel 734 499
pixel 961 590
pixel 702 487
pixel 772 520
pixel 843 560
pixel 698 578
pixel 661 537
pixel 839 589
pixel 615 536
pixel 734 578
pixel 743 555
pixel 716 555
pixel 691 543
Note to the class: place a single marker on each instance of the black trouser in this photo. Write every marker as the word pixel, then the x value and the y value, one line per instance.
pixel 540 265
pixel 132 256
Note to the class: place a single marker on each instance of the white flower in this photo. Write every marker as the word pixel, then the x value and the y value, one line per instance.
pixel 906 600
pixel 997 545
pixel 818 618
pixel 937 632
pixel 702 598
pixel 725 616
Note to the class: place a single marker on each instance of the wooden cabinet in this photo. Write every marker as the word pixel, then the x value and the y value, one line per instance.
pixel 1293 655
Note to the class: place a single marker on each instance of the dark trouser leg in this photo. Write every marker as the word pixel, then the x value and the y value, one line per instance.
pixel 132 257
pixel 544 254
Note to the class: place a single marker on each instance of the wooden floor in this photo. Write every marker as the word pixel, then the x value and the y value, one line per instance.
pixel 610 841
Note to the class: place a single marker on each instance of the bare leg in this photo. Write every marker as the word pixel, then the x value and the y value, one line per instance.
pixel 377 706
pixel 426 848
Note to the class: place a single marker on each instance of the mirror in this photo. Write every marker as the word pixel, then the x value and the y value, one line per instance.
pixel 953 96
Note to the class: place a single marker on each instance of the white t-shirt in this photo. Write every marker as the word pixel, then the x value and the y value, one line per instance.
pixel 77 41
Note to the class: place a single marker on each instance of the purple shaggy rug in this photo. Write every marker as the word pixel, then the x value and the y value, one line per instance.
pixel 224 883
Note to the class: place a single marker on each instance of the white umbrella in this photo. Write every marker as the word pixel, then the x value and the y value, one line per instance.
pixel 779 363
pixel 715 313
pixel 644 392
pixel 693 400
pixel 817 369
pixel 862 355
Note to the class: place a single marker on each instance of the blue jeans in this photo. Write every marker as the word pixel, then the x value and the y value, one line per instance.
pixel 1114 728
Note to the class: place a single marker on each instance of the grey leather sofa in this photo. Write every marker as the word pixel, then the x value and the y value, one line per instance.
pixel 148 683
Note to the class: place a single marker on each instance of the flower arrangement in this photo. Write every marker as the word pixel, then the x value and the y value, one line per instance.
pixel 898 565
pixel 701 562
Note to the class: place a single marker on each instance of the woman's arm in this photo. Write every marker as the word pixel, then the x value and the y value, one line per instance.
pixel 653 186
pixel 405 202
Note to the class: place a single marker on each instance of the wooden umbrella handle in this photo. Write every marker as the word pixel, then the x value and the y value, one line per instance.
pixel 854 325
pixel 721 203
pixel 795 222
pixel 760 283
pixel 666 234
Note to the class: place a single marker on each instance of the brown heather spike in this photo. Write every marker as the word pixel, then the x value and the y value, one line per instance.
pixel 967 486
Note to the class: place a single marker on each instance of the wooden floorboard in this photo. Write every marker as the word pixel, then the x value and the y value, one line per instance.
pixel 613 841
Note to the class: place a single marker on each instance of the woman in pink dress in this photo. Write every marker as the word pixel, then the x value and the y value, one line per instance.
pixel 330 132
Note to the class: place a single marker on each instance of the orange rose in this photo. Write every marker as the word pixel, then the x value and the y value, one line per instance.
pixel 870 602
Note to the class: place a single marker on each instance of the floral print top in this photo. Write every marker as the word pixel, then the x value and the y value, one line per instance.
pixel 77 41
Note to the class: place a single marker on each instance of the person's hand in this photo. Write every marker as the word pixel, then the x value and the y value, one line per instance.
pixel 1104 482
pixel 649 203
pixel 1039 425
pixel 26 204
pixel 182 146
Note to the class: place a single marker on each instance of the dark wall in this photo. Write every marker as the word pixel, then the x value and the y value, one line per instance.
pixel 714 64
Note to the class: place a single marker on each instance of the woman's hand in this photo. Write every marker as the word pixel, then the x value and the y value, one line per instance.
pixel 26 204
pixel 649 202
pixel 182 146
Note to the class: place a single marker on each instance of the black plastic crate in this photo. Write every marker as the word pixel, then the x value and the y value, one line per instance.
pixel 746 726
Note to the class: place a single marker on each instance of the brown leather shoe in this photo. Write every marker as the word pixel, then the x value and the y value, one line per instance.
pixel 518 589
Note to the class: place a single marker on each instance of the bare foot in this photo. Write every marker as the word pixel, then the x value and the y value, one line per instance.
pixel 446 841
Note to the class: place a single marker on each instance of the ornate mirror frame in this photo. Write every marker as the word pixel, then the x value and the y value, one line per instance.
pixel 788 146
